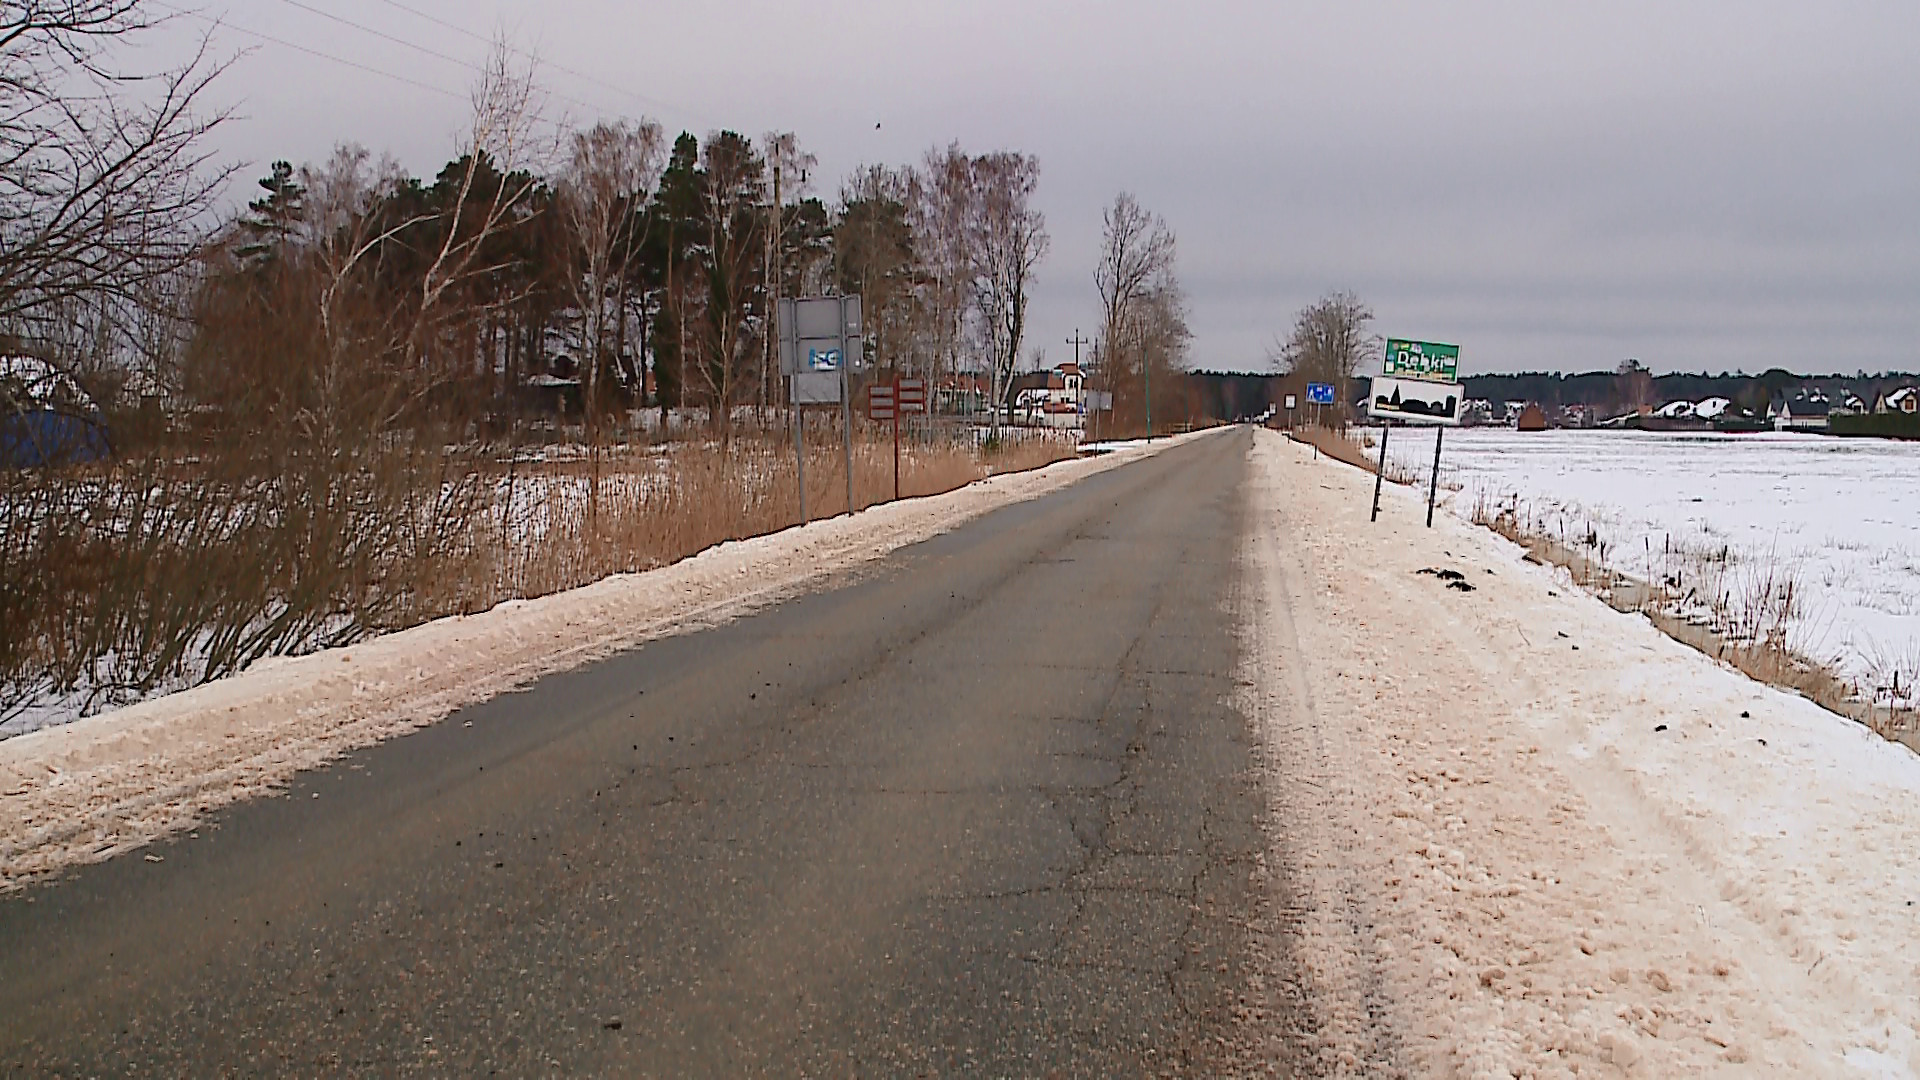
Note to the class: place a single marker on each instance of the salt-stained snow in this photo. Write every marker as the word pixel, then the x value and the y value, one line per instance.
pixel 84 791
pixel 1842 514
pixel 1530 835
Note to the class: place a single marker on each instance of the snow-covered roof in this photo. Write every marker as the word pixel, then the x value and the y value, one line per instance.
pixel 29 382
pixel 1675 409
pixel 1712 408
pixel 1898 398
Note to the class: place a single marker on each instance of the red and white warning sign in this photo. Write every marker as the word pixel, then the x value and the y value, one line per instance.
pixel 881 402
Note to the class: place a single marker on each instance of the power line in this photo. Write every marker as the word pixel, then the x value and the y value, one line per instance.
pixel 524 54
pixel 368 68
pixel 378 33
pixel 384 36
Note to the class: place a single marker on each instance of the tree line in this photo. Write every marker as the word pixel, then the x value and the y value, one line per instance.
pixel 633 273
pixel 611 267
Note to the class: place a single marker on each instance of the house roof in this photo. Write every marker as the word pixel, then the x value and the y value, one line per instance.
pixel 28 382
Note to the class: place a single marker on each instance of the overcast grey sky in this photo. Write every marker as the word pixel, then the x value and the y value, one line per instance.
pixel 1701 185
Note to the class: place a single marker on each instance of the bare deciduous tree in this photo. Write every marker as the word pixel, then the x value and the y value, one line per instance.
pixel 1136 248
pixel 875 256
pixel 1330 339
pixel 941 215
pixel 103 177
pixel 1010 239
pixel 609 176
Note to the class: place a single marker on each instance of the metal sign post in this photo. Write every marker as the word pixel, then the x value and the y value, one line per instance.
pixel 910 396
pixel 846 422
pixel 891 401
pixel 821 346
pixel 1380 471
pixel 1433 484
pixel 1419 384
pixel 883 405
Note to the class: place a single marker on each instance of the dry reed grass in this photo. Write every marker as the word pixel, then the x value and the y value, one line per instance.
pixel 1359 451
pixel 1740 611
pixel 146 575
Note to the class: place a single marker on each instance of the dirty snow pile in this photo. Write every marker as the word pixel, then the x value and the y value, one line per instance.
pixel 1527 835
pixel 1838 516
pixel 84 791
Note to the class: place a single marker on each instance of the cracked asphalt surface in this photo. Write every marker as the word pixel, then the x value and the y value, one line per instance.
pixel 987 808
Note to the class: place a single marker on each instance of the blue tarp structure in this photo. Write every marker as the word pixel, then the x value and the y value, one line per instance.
pixel 43 437
pixel 45 417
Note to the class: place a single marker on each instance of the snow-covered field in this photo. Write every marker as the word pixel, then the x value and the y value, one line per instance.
pixel 1528 835
pixel 1842 516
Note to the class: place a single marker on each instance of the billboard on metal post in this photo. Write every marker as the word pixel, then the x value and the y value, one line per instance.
pixel 820 341
pixel 1414 401
pixel 1422 360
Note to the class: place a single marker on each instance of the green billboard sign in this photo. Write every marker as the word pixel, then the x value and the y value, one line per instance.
pixel 1422 360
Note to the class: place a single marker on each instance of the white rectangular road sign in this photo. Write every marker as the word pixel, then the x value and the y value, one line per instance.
pixel 817 387
pixel 1414 401
pixel 912 395
pixel 819 333
pixel 880 402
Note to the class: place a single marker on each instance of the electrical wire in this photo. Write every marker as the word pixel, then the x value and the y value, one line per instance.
pixel 525 55
pixel 269 38
pixel 422 49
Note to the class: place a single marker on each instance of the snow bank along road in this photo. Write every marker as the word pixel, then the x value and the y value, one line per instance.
pixel 1527 835
pixel 989 809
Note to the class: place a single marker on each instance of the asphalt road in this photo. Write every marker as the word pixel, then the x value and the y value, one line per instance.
pixel 987 808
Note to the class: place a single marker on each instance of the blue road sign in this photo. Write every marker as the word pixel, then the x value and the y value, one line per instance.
pixel 1319 393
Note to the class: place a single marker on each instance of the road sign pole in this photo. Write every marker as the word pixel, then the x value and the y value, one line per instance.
pixel 800 455
pixel 896 440
pixel 1433 484
pixel 1380 472
pixel 846 418
pixel 1146 370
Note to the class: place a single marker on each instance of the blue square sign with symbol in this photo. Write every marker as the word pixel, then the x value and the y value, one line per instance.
pixel 1320 393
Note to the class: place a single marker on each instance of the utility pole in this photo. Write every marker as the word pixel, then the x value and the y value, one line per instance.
pixel 1076 341
pixel 774 229
pixel 1146 373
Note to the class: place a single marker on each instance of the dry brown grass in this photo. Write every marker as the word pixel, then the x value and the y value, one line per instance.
pixel 1736 615
pixel 645 510
pixel 1359 451
pixel 144 575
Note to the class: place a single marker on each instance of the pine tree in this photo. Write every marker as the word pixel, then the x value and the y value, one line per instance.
pixel 272 218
